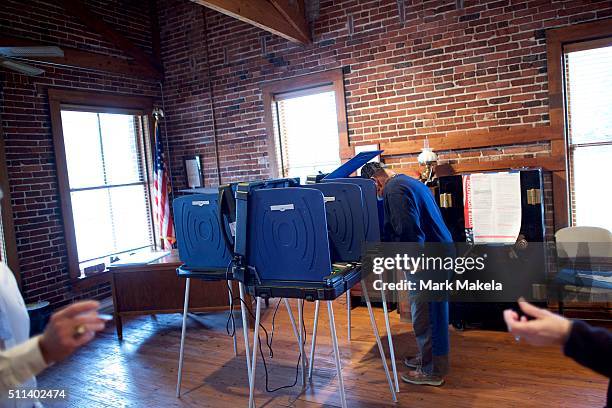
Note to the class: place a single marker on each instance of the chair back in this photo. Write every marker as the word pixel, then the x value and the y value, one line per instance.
pixel 584 242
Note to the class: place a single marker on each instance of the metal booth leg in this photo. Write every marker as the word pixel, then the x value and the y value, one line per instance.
pixel 378 342
pixel 183 332
pixel 348 313
pixel 254 355
pixel 229 292
pixel 292 319
pixel 389 338
pixel 245 329
pixel 332 329
pixel 298 334
pixel 314 339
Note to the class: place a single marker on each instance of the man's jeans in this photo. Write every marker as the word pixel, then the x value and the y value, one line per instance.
pixel 430 325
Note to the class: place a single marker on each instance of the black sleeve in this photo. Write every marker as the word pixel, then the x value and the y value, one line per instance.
pixel 404 218
pixel 590 347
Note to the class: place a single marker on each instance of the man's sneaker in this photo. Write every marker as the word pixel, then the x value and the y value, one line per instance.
pixel 412 362
pixel 418 377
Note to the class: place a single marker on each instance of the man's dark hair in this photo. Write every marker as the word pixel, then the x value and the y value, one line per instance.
pixel 370 169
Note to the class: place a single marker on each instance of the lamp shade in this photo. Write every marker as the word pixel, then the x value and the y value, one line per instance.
pixel 427 156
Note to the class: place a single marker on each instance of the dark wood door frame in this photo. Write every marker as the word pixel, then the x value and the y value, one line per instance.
pixel 10 241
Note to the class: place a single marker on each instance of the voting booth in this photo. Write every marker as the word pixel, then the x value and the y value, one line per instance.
pixel 204 251
pixel 285 247
pixel 304 242
pixel 373 226
pixel 322 225
pixel 280 239
pixel 200 242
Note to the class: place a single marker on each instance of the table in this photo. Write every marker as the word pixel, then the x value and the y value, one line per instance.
pixel 154 288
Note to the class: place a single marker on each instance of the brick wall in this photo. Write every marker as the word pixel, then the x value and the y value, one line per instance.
pixel 26 123
pixel 187 102
pixel 442 70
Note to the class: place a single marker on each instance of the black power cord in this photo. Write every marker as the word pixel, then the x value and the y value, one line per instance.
pixel 269 339
pixel 273 319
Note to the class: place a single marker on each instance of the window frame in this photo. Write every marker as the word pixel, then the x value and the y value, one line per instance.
pixel 556 40
pixel 100 102
pixel 301 85
pixel 572 147
pixel 6 211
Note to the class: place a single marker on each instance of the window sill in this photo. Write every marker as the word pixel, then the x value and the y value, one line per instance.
pixel 88 282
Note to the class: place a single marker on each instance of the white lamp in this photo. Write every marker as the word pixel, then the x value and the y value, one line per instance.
pixel 427 158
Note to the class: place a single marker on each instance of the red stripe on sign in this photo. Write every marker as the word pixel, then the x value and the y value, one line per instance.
pixel 467 201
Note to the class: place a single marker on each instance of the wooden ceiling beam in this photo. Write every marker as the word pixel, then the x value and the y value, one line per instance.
pixel 78 9
pixel 75 58
pixel 294 13
pixel 260 13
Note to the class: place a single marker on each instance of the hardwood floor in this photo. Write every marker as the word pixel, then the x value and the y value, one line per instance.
pixel 488 369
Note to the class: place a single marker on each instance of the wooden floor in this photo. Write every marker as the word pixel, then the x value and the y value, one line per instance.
pixel 488 369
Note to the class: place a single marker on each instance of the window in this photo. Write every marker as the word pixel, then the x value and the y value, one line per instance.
pixel 108 191
pixel 306 121
pixel 103 157
pixel 588 82
pixel 305 146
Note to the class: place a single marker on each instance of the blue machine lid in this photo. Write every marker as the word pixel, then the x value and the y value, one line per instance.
pixel 287 235
pixel 370 207
pixel 353 164
pixel 200 190
pixel 344 212
pixel 198 233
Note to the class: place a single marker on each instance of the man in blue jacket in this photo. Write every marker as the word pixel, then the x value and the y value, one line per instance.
pixel 412 215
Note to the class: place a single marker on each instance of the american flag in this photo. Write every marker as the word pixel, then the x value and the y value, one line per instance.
pixel 161 188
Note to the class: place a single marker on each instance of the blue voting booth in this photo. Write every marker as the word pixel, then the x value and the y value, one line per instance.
pixel 373 220
pixel 324 229
pixel 290 249
pixel 343 208
pixel 305 242
pixel 370 205
pixel 287 235
pixel 204 251
pixel 291 241
pixel 354 164
pixel 199 235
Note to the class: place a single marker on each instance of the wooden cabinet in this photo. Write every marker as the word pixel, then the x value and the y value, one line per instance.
pixel 154 288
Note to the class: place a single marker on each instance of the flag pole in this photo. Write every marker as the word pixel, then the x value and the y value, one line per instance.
pixel 159 239
pixel 162 187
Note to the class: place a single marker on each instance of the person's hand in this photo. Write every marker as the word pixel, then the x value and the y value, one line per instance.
pixel 69 329
pixel 545 329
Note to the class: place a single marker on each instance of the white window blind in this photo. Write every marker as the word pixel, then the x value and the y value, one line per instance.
pixel 108 183
pixel 307 133
pixel 589 103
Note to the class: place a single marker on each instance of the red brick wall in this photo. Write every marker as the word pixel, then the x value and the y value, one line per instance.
pixel 26 123
pixel 442 70
pixel 188 113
